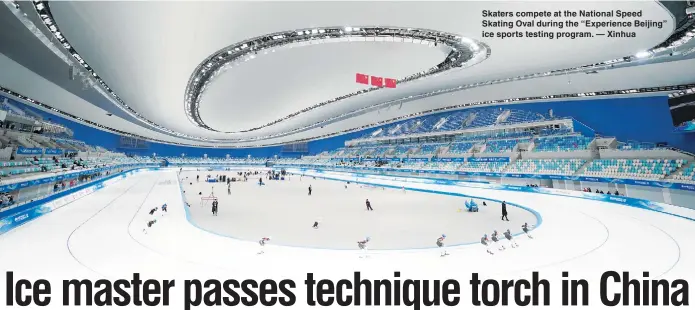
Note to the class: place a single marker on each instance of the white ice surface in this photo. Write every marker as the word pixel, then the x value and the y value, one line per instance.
pixel 400 219
pixel 100 236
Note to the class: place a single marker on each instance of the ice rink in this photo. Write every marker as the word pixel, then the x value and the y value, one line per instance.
pixel 101 236
pixel 284 210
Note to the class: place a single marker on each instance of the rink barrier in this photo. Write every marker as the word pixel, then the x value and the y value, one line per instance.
pixel 667 209
pixel 537 215
pixel 36 209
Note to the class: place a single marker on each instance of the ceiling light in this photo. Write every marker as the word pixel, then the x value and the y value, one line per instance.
pixel 315 31
pixel 348 29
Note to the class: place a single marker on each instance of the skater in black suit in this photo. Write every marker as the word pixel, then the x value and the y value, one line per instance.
pixel 504 211
pixel 369 205
pixel 309 190
pixel 214 207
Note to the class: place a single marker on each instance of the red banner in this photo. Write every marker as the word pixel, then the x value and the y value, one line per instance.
pixel 377 81
pixel 390 83
pixel 362 78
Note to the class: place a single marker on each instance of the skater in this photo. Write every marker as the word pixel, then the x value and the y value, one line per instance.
pixel 508 235
pixel 504 211
pixel 440 244
pixel 164 207
pixel 369 205
pixel 486 242
pixel 316 225
pixel 262 244
pixel 495 239
pixel 363 246
pixel 214 207
pixel 197 178
pixel 309 189
pixel 149 225
pixel 153 211
pixel 526 230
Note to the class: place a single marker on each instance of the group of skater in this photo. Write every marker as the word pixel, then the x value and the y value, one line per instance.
pixel 162 210
pixel 493 241
pixel 489 242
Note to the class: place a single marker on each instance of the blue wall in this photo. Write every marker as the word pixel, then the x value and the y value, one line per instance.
pixel 645 119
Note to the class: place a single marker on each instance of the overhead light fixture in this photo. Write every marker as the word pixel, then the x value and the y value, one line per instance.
pixel 643 54
pixel 348 29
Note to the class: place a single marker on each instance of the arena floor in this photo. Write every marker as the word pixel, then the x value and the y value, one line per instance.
pixel 101 236
pixel 284 210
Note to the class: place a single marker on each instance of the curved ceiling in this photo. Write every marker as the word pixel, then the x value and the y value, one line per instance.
pixel 147 51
